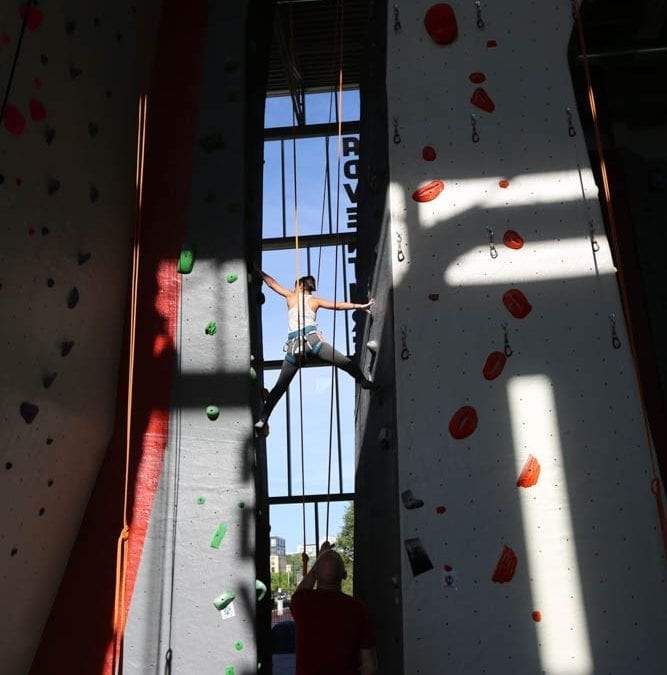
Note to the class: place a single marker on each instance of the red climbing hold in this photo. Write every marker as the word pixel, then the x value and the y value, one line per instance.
pixel 428 153
pixel 477 78
pixel 447 568
pixel 35 17
pixel 5 39
pixel 440 510
pixel 482 100
pixel 13 120
pixel 530 473
pixel 505 567
pixel 495 362
pixel 491 44
pixel 429 191
pixel 517 303
pixel 504 183
pixel 537 616
pixel 440 22
pixel 463 422
pixel 37 82
pixel 513 239
pixel 37 110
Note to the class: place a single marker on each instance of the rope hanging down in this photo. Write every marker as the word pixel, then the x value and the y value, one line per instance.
pixel 656 487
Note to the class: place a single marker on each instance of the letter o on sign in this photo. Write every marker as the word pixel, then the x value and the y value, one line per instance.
pixel 463 422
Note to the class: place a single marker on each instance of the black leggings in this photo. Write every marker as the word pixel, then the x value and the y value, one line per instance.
pixel 326 353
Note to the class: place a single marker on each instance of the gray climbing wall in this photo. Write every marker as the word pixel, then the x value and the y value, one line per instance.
pixel 528 524
pixel 67 197
pixel 201 536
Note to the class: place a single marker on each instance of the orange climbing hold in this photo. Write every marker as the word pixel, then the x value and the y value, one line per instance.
pixel 513 240
pixel 428 153
pixel 505 567
pixel 495 362
pixel 530 473
pixel 463 422
pixel 428 192
pixel 537 616
pixel 504 183
pixel 440 23
pixel 517 304
pixel 482 100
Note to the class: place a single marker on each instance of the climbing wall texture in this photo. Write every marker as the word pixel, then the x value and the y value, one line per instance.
pixel 530 538
pixel 67 204
pixel 193 605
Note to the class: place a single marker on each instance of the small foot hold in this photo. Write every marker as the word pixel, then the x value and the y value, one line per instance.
pixel 371 386
pixel 262 428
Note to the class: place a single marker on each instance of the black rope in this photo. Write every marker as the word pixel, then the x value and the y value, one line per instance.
pixel 17 51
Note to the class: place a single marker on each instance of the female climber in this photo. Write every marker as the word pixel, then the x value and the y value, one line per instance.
pixel 304 340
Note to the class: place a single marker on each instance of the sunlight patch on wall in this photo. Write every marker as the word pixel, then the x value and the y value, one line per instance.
pixel 553 566
pixel 545 261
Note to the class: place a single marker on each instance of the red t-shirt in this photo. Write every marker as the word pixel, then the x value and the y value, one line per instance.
pixel 331 628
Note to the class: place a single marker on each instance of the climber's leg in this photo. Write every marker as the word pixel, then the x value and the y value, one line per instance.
pixel 287 373
pixel 327 353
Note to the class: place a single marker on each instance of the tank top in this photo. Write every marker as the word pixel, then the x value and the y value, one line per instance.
pixel 293 313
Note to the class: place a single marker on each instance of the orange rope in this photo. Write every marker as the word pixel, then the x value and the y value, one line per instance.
pixel 655 484
pixel 120 610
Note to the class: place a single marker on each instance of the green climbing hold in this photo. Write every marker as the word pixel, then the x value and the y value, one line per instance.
pixel 229 670
pixel 238 645
pixel 253 373
pixel 242 505
pixel 260 590
pixel 201 500
pixel 231 278
pixel 186 260
pixel 219 535
pixel 224 600
pixel 212 412
pixel 211 328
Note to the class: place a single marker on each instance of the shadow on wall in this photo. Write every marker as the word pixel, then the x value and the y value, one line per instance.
pixel 563 380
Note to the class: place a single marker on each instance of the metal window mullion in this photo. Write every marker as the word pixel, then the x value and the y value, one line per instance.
pixel 317 528
pixel 289 442
pixel 345 297
pixel 338 439
pixel 282 181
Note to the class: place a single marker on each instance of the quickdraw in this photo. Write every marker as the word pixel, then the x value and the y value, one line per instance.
pixel 493 252
pixel 475 133
pixel 571 131
pixel 507 348
pixel 397 20
pixel 400 255
pixel 397 135
pixel 480 18
pixel 615 340
pixel 591 230
pixel 405 352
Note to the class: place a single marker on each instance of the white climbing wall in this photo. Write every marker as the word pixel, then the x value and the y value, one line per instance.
pixel 67 173
pixel 530 521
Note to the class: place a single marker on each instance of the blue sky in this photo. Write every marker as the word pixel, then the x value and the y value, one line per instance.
pixel 286 521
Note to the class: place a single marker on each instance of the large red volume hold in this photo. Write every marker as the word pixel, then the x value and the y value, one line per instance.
pixel 505 567
pixel 495 362
pixel 463 422
pixel 513 239
pixel 482 100
pixel 530 473
pixel 35 16
pixel 429 191
pixel 517 303
pixel 13 120
pixel 440 22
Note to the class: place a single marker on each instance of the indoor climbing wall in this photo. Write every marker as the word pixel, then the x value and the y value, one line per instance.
pixel 193 604
pixel 71 72
pixel 529 529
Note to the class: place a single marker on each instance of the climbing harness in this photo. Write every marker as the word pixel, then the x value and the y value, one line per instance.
pixel 296 344
pixel 655 484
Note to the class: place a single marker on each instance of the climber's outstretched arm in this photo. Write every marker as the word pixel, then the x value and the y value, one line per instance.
pixel 274 285
pixel 329 304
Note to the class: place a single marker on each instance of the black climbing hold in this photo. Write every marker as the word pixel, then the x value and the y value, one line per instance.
pixel 73 297
pixel 66 347
pixel 49 482
pixel 231 66
pixel 2 179
pixel 74 72
pixel 50 283
pixel 44 59
pixel 94 194
pixel 410 501
pixel 83 258
pixel 419 560
pixel 14 551
pixel 261 298
pixel 28 411
pixel 49 379
pixel 49 135
pixel 70 26
pixel 49 441
pixel 210 197
pixel 41 511
pixel 8 465
pixel 119 36
pixel 53 186
pixel 45 231
pixel 93 129
pixel 107 93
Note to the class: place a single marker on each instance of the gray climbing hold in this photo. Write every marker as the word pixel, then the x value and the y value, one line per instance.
pixel 260 590
pixel 211 328
pixel 66 347
pixel 83 258
pixel 28 411
pixel 73 297
pixel 372 345
pixel 410 501
pixel 49 379
pixel 212 412
pixel 253 374
pixel 224 600
pixel 45 231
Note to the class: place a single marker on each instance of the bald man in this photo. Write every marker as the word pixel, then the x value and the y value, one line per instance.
pixel 334 634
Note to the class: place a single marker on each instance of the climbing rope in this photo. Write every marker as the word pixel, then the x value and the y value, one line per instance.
pixel 655 485
pixel 123 538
